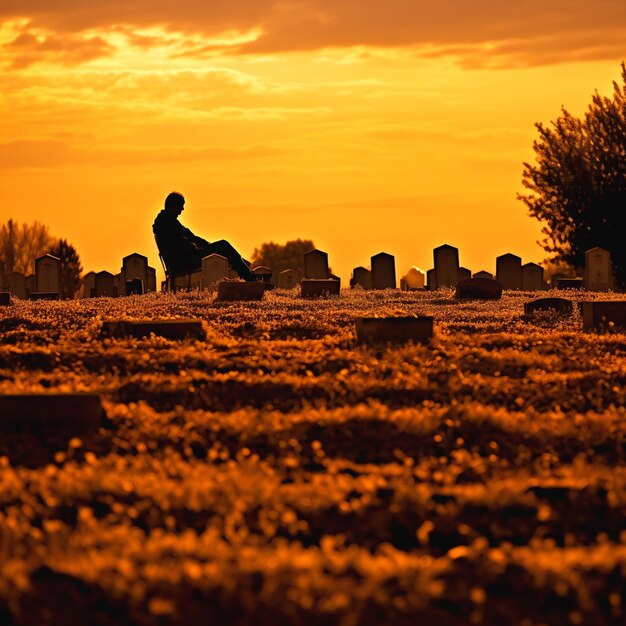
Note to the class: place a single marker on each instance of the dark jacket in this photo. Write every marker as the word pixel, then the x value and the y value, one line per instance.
pixel 172 236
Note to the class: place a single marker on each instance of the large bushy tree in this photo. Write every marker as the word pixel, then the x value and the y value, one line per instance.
pixel 279 257
pixel 21 244
pixel 71 267
pixel 577 186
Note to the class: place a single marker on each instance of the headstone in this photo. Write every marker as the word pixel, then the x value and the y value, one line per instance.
pixel 135 266
pixel 446 266
pixel 431 282
pixel 104 285
pixel 264 272
pixel 237 290
pixel 152 279
pixel 48 274
pixel 2 283
pixel 193 280
pixel 31 283
pixel 464 273
pixel 598 273
pixel 119 284
pixel 288 279
pixel 362 276
pixel 134 287
pixel 560 305
pixel 509 271
pixel 604 315
pixel 16 284
pixel 316 288
pixel 479 289
pixel 569 283
pixel 87 285
pixel 482 274
pixel 316 264
pixel 415 278
pixel 75 414
pixel 5 298
pixel 214 269
pixel 532 277
pixel 374 330
pixel 44 295
pixel 383 271
pixel 170 329
pixel 554 280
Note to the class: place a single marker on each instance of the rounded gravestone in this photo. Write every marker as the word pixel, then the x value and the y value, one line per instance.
pixel 479 289
pixel 560 305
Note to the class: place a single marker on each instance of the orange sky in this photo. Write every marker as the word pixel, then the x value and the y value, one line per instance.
pixel 365 126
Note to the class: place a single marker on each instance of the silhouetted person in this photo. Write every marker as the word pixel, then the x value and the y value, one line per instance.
pixel 183 250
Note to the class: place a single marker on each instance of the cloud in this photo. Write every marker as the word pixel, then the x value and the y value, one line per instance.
pixel 480 33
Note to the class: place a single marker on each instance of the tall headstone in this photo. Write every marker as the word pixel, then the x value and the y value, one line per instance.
pixel 483 274
pixel 598 269
pixel 288 279
pixel 104 285
pixel 532 277
pixel 431 283
pixel 446 266
pixel 362 276
pixel 135 267
pixel 16 284
pixel 264 273
pixel 87 285
pixel 214 268
pixel 509 271
pixel 383 271
pixel 31 284
pixel 415 278
pixel 464 274
pixel 2 278
pixel 316 264
pixel 48 274
pixel 152 281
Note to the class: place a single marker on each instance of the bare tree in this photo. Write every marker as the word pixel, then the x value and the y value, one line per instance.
pixel 21 244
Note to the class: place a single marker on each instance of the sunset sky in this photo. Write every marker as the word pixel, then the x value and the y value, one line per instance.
pixel 366 126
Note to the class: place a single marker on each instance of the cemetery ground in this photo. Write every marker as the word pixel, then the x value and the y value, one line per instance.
pixel 277 472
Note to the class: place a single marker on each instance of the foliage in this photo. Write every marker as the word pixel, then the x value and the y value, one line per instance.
pixel 21 244
pixel 578 183
pixel 279 257
pixel 71 267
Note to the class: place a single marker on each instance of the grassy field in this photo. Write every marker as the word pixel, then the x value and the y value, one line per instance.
pixel 279 473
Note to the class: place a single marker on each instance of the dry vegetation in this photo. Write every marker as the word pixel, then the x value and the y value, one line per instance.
pixel 280 474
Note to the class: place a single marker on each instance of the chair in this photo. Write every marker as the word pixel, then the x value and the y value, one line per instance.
pixel 169 268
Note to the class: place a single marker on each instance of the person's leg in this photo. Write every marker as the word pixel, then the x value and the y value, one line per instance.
pixel 224 249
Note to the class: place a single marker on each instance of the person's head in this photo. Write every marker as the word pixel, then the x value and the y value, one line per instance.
pixel 175 203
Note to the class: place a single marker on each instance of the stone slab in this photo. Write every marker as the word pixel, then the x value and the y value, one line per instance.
pixel 560 305
pixel 479 289
pixel 316 288
pixel 76 414
pixel 236 290
pixel 604 315
pixel 43 295
pixel 169 329
pixel 5 298
pixel 373 330
pixel 569 283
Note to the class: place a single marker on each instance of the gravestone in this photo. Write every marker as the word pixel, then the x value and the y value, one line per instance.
pixel 214 269
pixel 509 271
pixel 48 274
pixel 317 287
pixel 316 264
pixel 16 284
pixel 598 273
pixel 87 285
pixel 413 279
pixel 483 274
pixel 375 330
pixel 135 267
pixel 2 283
pixel 288 279
pixel 193 280
pixel 479 289
pixel 383 271
pixel 134 287
pixel 362 276
pixel 5 298
pixel 604 315
pixel 532 277
pixel 560 305
pixel 554 280
pixel 237 290
pixel 431 282
pixel 170 329
pixel 152 279
pixel 104 285
pixel 464 273
pixel 446 266
pixel 31 283
pixel 569 283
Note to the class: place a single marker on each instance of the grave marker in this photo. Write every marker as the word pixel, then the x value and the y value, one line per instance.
pixel 560 305
pixel 604 315
pixel 479 289
pixel 316 288
pixel 214 268
pixel 134 287
pixel 431 282
pixel 383 271
pixel 415 278
pixel 509 271
pixel 152 279
pixel 48 274
pixel 483 274
pixel 104 285
pixel 362 276
pixel 288 279
pixel 316 264
pixel 16 284
pixel 598 273
pixel 464 273
pixel 446 266
pixel 532 277
pixel 569 283
pixel 87 285
pixel 554 280
pixel 31 284
pixel 134 267
pixel 237 290
pixel 5 298
pixel 170 329
pixel 375 330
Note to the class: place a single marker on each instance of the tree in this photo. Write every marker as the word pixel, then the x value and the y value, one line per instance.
pixel 21 244
pixel 71 267
pixel 279 257
pixel 578 183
